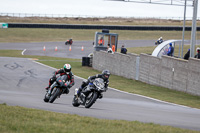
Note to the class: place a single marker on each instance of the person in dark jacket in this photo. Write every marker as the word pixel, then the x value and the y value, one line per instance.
pixel 198 53
pixel 66 70
pixel 105 76
pixel 187 55
pixel 123 50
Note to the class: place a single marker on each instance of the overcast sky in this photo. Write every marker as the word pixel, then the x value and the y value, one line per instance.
pixel 94 8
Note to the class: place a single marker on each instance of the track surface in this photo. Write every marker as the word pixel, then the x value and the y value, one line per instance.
pixel 23 81
pixel 63 50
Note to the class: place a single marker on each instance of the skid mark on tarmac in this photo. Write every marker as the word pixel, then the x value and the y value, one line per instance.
pixel 13 66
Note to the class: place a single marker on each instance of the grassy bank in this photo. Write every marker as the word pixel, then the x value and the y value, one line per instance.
pixel 50 35
pixel 100 21
pixel 23 120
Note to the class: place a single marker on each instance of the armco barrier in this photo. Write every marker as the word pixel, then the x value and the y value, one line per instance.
pixel 168 72
pixel 110 27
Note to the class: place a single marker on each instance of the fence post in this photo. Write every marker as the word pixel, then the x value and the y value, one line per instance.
pixel 137 68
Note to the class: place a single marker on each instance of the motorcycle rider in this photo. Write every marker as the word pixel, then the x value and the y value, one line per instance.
pixel 105 76
pixel 159 41
pixel 66 70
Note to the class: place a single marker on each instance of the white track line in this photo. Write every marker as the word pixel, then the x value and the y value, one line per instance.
pixel 23 51
pixel 124 91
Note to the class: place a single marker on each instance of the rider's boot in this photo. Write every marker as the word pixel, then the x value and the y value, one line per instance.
pixel 79 91
pixel 47 88
pixel 100 95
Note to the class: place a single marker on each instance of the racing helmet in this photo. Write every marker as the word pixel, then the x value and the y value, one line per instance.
pixel 105 74
pixel 67 68
pixel 198 49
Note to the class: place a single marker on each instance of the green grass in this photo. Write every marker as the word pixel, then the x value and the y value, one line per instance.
pixel 14 119
pixel 117 82
pixel 50 35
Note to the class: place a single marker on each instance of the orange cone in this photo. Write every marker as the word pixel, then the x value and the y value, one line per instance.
pixel 82 48
pixel 56 48
pixel 70 48
pixel 44 48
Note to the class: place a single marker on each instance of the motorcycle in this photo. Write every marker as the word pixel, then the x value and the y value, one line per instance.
pixel 69 42
pixel 89 94
pixel 158 42
pixel 59 87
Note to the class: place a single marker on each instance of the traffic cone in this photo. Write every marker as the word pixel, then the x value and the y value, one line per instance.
pixel 56 48
pixel 70 48
pixel 44 48
pixel 82 48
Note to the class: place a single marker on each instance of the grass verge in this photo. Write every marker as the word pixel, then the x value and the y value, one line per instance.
pixel 37 121
pixel 97 21
pixel 51 35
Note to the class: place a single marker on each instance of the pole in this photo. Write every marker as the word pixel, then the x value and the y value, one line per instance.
pixel 183 34
pixel 193 33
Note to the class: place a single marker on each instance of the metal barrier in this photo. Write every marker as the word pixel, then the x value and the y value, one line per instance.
pixel 110 27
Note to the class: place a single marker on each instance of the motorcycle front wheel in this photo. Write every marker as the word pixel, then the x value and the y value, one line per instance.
pixel 46 97
pixel 90 99
pixel 54 95
pixel 75 102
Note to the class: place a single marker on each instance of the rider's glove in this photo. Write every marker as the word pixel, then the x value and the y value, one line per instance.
pixel 68 83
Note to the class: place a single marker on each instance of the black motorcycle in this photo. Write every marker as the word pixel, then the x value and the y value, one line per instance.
pixel 69 42
pixel 60 86
pixel 89 94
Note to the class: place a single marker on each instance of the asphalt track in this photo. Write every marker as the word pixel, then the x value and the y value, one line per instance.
pixel 36 48
pixel 23 81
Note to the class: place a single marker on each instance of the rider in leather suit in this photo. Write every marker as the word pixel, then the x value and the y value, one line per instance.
pixel 105 76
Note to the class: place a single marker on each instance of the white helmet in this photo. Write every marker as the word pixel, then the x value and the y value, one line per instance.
pixel 67 68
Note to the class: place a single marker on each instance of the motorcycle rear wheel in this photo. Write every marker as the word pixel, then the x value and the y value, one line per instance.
pixel 91 100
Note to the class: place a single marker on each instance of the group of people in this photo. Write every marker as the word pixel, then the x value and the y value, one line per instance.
pixel 170 50
pixel 112 50
pixel 66 70
pixel 187 55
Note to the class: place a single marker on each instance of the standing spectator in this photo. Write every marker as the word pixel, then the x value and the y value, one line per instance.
pixel 109 50
pixel 123 50
pixel 187 55
pixel 198 53
pixel 113 47
pixel 170 50
pixel 101 41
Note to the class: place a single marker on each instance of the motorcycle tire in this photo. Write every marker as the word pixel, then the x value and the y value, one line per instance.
pixel 91 100
pixel 46 98
pixel 54 95
pixel 75 102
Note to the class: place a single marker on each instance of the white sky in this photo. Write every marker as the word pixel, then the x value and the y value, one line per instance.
pixel 94 8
